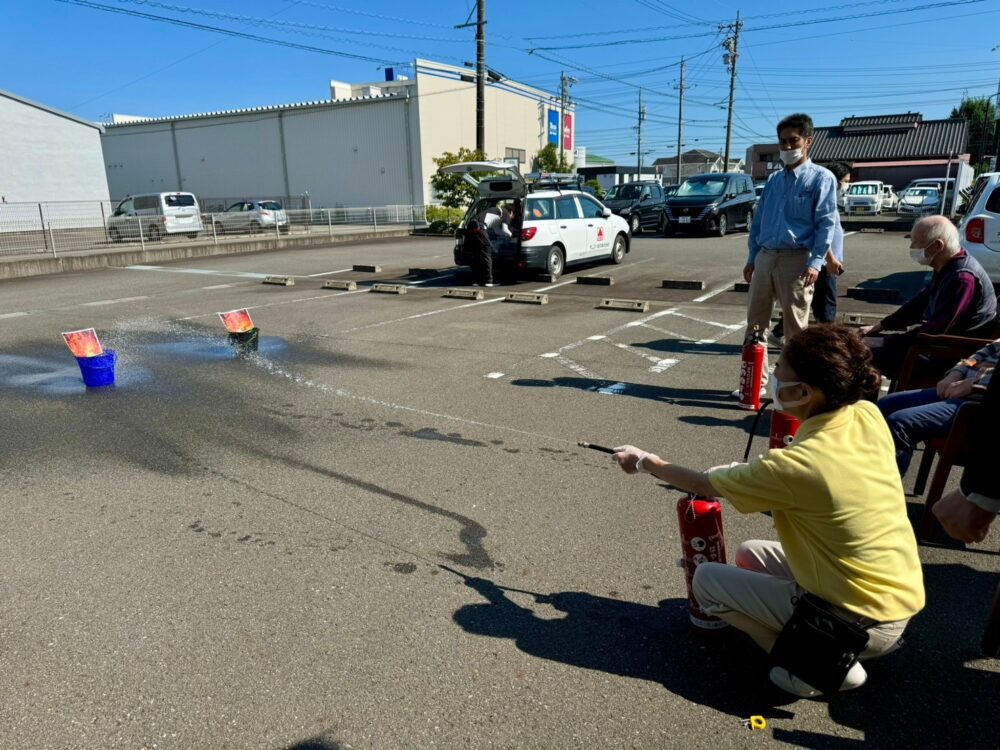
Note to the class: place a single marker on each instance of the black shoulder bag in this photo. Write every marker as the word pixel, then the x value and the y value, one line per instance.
pixel 818 644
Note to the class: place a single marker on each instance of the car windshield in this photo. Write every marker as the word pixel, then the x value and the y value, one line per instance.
pixel 625 192
pixel 863 190
pixel 922 192
pixel 707 186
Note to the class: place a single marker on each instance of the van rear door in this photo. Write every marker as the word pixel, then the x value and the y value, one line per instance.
pixel 181 212
pixel 502 180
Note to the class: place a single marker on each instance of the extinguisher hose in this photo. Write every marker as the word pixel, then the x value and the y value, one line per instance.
pixel 753 428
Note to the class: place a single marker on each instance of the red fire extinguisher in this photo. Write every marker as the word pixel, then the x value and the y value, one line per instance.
pixel 783 429
pixel 752 371
pixel 700 522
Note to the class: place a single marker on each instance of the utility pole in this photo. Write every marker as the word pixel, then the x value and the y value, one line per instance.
pixel 481 78
pixel 680 121
pixel 731 45
pixel 565 82
pixel 638 150
pixel 480 25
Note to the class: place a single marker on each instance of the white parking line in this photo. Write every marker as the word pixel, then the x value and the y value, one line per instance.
pixel 217 286
pixel 99 303
pixel 714 292
pixel 201 271
pixel 730 326
pixel 659 365
pixel 329 273
pixel 14 315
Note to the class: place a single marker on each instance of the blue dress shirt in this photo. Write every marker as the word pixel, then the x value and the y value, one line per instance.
pixel 797 210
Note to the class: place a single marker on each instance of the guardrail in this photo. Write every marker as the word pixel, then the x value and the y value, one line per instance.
pixel 52 229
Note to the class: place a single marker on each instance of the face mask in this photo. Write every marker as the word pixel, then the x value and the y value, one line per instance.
pixel 780 405
pixel 919 254
pixel 790 157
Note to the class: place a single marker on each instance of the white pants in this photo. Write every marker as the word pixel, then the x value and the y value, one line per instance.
pixel 755 595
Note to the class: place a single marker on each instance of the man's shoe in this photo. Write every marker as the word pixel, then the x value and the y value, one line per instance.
pixel 782 678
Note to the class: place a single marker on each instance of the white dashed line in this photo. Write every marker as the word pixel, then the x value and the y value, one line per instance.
pixel 99 303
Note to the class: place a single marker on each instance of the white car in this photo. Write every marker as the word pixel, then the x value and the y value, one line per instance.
pixel 889 198
pixel 251 216
pixel 561 224
pixel 865 197
pixel 980 228
pixel 919 201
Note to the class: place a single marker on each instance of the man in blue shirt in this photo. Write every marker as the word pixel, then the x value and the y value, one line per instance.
pixel 791 233
pixel 824 302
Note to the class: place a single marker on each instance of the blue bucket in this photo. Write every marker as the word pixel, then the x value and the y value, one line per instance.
pixel 98 371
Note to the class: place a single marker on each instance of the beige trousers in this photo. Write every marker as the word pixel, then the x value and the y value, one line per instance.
pixel 755 595
pixel 777 276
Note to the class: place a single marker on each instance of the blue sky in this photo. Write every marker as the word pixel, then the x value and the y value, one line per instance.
pixel 847 58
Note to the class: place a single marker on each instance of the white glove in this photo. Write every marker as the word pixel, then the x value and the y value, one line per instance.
pixel 631 459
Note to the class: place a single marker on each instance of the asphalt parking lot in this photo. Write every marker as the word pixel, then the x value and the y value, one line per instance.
pixel 380 531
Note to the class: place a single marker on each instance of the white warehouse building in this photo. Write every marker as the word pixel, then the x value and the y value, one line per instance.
pixel 48 155
pixel 368 145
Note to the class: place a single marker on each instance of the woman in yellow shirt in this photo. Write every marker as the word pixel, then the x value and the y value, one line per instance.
pixel 836 500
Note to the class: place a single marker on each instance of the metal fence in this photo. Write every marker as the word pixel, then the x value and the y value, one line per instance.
pixel 73 227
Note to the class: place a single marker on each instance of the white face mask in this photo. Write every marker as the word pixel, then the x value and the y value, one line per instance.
pixel 780 405
pixel 791 156
pixel 920 255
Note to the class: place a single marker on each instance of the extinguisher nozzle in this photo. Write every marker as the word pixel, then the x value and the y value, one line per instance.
pixel 595 447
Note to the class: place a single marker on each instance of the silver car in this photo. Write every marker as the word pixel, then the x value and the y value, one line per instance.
pixel 251 216
pixel 917 201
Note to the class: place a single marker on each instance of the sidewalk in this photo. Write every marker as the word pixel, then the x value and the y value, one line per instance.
pixel 102 256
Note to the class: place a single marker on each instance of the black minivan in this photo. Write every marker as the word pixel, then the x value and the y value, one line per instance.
pixel 713 202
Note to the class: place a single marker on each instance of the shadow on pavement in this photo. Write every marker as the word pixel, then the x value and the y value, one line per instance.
pixel 688 346
pixel 923 696
pixel 907 282
pixel 316 743
pixel 683 396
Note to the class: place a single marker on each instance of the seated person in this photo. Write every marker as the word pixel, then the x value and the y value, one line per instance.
pixel 838 508
pixel 959 300
pixel 915 416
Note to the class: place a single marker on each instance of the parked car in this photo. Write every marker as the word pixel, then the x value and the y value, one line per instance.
pixel 560 226
pixel 155 215
pixel 941 184
pixel 918 201
pixel 865 197
pixel 889 198
pixel 639 203
pixel 980 227
pixel 711 202
pixel 251 216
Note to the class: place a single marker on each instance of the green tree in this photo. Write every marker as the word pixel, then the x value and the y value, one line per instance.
pixel 453 191
pixel 982 115
pixel 547 160
pixel 597 187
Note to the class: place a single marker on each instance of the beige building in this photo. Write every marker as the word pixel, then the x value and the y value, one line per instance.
pixel 370 144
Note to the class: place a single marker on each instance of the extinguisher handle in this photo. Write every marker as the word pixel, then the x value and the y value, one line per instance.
pixel 753 428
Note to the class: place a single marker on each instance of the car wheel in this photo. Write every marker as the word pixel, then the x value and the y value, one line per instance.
pixel 554 262
pixel 721 225
pixel 114 234
pixel 634 224
pixel 618 250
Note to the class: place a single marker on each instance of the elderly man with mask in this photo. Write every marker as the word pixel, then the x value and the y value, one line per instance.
pixel 959 300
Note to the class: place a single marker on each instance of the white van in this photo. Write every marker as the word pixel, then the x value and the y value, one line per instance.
pixel 865 197
pixel 157 214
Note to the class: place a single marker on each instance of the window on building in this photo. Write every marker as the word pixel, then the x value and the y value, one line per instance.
pixel 516 153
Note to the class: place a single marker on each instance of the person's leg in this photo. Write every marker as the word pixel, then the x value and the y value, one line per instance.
pixel 793 295
pixel 824 302
pixel 760 300
pixel 488 266
pixel 916 416
pixel 747 595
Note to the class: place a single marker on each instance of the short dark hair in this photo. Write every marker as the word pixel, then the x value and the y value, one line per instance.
pixel 833 358
pixel 801 122
pixel 839 169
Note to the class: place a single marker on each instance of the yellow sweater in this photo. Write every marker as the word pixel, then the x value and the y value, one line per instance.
pixel 838 506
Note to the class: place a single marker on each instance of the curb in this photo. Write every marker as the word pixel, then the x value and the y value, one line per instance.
pixel 25 267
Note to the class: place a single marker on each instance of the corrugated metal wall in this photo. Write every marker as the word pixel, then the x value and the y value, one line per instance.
pixel 343 154
pixel 47 157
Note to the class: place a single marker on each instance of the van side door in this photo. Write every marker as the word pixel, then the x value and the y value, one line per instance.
pixel 600 232
pixel 571 227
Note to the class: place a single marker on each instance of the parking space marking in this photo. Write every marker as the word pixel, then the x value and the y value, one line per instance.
pixel 494 375
pixel 730 326
pixel 708 295
pixel 279 302
pixel 659 364
pixel 578 368
pixel 14 315
pixel 201 271
pixel 99 303
pixel 217 286
pixel 664 331
pixel 329 273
